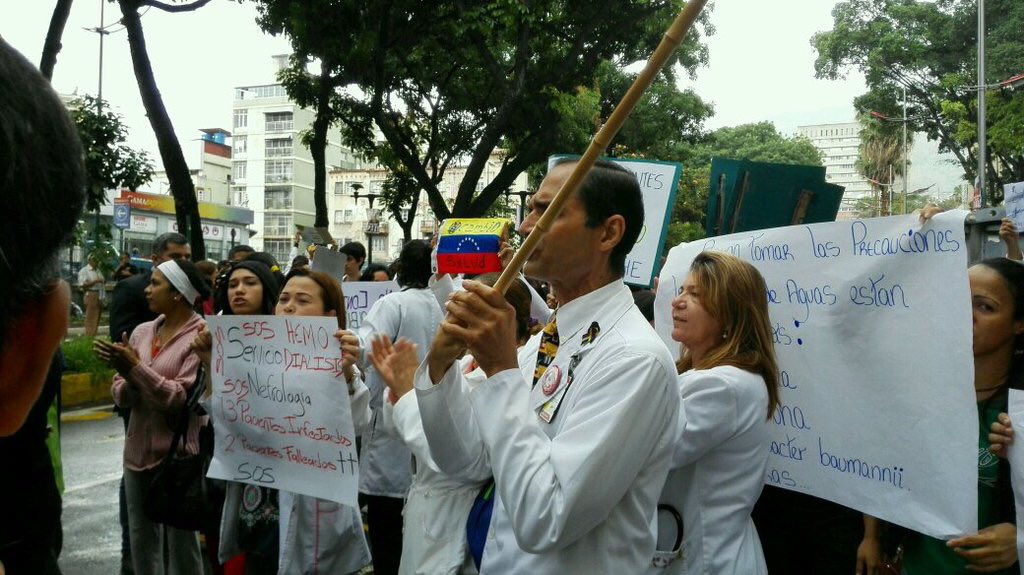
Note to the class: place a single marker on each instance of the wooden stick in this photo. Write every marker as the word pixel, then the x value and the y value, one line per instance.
pixel 673 37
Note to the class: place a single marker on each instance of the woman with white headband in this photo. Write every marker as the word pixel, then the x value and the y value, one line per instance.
pixel 155 371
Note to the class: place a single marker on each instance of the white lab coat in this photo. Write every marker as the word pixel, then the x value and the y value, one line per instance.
pixel 436 510
pixel 721 454
pixel 578 494
pixel 385 466
pixel 316 535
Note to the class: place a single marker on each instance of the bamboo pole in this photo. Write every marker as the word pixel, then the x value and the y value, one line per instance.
pixel 673 37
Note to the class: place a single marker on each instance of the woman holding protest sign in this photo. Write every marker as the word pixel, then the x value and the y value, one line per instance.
pixel 317 535
pixel 156 371
pixel 250 520
pixel 997 294
pixel 728 383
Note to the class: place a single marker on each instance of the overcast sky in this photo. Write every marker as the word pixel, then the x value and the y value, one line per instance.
pixel 762 65
pixel 761 68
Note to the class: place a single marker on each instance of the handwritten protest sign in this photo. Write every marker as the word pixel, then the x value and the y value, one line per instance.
pixel 871 322
pixel 658 182
pixel 1013 199
pixel 1015 455
pixel 281 411
pixel 360 297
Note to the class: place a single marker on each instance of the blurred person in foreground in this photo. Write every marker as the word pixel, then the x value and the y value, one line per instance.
pixel 42 186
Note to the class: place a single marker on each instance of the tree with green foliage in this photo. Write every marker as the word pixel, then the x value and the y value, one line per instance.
pixel 928 48
pixel 449 82
pixel 109 162
pixel 186 205
pixel 758 142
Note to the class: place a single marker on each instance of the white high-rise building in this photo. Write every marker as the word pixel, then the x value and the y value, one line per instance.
pixel 839 144
pixel 272 171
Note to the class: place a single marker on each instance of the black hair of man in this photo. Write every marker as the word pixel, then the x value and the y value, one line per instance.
pixel 354 249
pixel 240 249
pixel 608 190
pixel 164 241
pixel 371 270
pixel 42 185
pixel 414 264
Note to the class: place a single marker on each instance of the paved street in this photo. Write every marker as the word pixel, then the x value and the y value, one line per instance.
pixel 91 450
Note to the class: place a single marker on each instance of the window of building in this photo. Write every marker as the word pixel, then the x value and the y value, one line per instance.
pixel 240 197
pixel 380 245
pixel 239 145
pixel 241 118
pixel 239 172
pixel 278 198
pixel 405 214
pixel 279 121
pixel 278 226
pixel 279 147
pixel 376 186
pixel 339 217
pixel 278 170
pixel 277 248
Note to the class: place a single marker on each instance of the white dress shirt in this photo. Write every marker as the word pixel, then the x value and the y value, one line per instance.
pixel 721 455
pixel 576 492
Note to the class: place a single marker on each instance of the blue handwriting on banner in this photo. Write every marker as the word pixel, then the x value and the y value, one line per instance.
pixel 876 294
pixel 823 249
pixel 912 242
pixel 809 295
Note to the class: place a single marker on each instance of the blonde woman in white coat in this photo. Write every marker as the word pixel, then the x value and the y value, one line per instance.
pixel 728 386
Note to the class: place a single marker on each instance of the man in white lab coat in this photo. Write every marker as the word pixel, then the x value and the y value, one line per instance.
pixel 580 447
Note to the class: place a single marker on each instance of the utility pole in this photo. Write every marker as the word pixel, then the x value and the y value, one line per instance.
pixel 981 101
pixel 905 152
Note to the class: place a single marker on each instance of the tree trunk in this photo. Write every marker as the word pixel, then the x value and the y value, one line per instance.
pixel 186 207
pixel 318 149
pixel 52 45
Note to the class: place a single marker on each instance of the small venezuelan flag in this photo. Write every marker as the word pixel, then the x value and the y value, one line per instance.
pixel 469 246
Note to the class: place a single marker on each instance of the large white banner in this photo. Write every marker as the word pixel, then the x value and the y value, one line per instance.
pixel 280 406
pixel 1015 455
pixel 872 327
pixel 360 297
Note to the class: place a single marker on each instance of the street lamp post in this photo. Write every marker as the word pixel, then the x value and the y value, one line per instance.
pixel 523 194
pixel 373 225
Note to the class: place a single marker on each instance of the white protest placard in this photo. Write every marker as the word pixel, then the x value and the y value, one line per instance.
pixel 871 321
pixel 658 183
pixel 1013 200
pixel 360 297
pixel 280 406
pixel 1015 455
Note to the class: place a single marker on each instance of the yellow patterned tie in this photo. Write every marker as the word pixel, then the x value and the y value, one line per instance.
pixel 548 348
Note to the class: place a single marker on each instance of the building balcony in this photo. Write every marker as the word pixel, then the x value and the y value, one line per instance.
pixel 376 228
pixel 278 178
pixel 280 126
